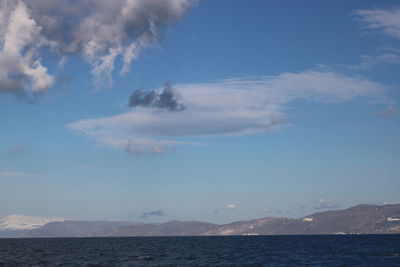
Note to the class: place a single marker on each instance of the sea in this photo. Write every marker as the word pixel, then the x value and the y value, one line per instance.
pixel 316 250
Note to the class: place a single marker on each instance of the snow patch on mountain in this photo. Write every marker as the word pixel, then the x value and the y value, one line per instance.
pixel 24 222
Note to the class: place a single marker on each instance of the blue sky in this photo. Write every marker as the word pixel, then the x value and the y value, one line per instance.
pixel 286 108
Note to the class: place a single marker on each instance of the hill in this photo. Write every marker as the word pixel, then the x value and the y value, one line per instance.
pixel 360 219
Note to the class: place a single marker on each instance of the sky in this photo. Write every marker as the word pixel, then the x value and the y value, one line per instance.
pixel 158 110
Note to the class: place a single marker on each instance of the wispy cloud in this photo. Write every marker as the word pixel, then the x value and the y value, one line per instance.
pixel 267 210
pixel 100 31
pixel 227 207
pixel 19 174
pixel 325 205
pixel 230 107
pixel 152 213
pixel 86 166
pixel 389 111
pixel 371 61
pixel 386 21
pixel 16 149
pixel 230 207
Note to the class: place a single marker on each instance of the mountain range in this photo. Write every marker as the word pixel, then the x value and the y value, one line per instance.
pixel 360 219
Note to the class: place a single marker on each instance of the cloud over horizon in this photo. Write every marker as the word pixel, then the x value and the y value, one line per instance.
pixel 325 205
pixel 100 31
pixel 230 207
pixel 230 107
pixel 152 213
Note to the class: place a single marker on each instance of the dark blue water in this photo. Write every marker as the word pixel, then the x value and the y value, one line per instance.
pixel 363 250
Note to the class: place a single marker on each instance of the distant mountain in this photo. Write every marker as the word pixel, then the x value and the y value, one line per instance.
pixel 361 219
pixel 23 222
pixel 75 229
pixel 264 226
pixel 172 228
pixel 13 225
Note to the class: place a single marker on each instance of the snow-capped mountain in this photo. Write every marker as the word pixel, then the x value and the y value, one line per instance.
pixel 23 222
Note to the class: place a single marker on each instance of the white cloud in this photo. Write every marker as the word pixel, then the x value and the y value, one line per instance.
pixel 19 174
pixel 224 108
pixel 230 207
pixel 100 31
pixel 385 20
pixel 20 67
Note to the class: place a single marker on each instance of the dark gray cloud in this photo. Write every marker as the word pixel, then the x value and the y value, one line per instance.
pixel 152 213
pixel 166 99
